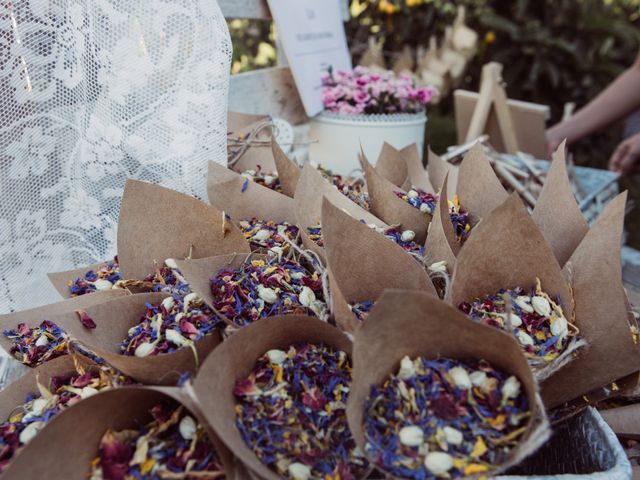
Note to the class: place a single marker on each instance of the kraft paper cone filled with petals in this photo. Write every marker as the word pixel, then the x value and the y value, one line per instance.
pixel 438 169
pixel 508 251
pixel 81 427
pixel 357 277
pixel 416 324
pixel 113 319
pixel 35 316
pixel 387 206
pixel 157 223
pixel 442 244
pixel 602 313
pixel 242 199
pixel 235 360
pixel 557 213
pixel 288 170
pixel 62 281
pixel 417 176
pixel 308 205
pixel 391 164
pixel 478 187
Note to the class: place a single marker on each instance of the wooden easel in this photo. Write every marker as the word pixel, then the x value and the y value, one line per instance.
pixel 512 125
pixel 492 94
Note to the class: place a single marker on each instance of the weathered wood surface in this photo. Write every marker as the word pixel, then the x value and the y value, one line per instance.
pixel 271 90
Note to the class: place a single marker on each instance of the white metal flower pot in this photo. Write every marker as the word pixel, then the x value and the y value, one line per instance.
pixel 336 139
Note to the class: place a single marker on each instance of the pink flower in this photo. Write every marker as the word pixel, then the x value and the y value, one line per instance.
pixel 361 97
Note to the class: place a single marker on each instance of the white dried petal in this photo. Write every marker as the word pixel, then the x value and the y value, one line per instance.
pixel 168 303
pixel 297 275
pixel 524 338
pixel 192 297
pixel 407 236
pixel 412 194
pixel 30 431
pixel 42 340
pixel 511 388
pixel 144 349
pixel 38 406
pixel 243 224
pixel 307 296
pixel 438 463
pixel 262 235
pixel 171 263
pixel 299 471
pixel 142 451
pixel 515 320
pixel 188 427
pixel 87 392
pixel 524 302
pixel 102 284
pixel 478 378
pixel 453 436
pixel 276 251
pixel 269 179
pixel 460 378
pixel 559 327
pixel 175 337
pixel 425 208
pixel 319 308
pixel 267 294
pixel 411 436
pixel 276 356
pixel 541 305
pixel 407 368
pixel 438 267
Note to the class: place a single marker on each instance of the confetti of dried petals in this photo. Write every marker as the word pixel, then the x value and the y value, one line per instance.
pixel 459 219
pixel 315 234
pixel 536 320
pixel 418 198
pixel 28 419
pixel 291 413
pixel 178 321
pixel 172 445
pixel 33 346
pixel 261 289
pixel 104 277
pixel 444 419
pixel 269 235
pixel 351 187
pixel 361 309
pixel 168 280
pixel 266 179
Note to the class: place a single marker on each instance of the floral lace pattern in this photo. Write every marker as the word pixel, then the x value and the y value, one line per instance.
pixel 95 92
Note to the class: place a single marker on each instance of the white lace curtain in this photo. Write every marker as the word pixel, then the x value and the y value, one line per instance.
pixel 93 92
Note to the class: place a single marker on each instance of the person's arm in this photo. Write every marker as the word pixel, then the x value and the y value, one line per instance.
pixel 618 100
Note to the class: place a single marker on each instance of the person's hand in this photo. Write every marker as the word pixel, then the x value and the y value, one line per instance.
pixel 553 142
pixel 626 158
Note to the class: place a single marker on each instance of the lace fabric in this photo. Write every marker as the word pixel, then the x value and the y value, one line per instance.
pixel 93 92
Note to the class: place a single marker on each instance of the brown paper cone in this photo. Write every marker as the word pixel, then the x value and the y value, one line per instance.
pixel 199 272
pixel 34 316
pixel 478 187
pixel 80 428
pixel 391 209
pixel 241 125
pixel 557 213
pixel 418 324
pixel 308 205
pixel 438 169
pixel 224 189
pixel 288 170
pixel 601 312
pixel 61 280
pixel 157 223
pixel 392 165
pixel 442 244
pixel 417 175
pixel 507 250
pixel 235 359
pixel 113 320
pixel 359 277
